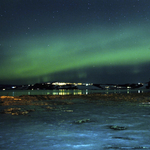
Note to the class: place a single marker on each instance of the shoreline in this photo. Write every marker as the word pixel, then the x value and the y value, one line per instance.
pixel 23 105
pixel 117 97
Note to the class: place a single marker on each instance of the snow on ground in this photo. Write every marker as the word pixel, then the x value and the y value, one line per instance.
pixel 56 130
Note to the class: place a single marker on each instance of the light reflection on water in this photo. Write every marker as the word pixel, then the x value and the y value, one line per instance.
pixel 66 92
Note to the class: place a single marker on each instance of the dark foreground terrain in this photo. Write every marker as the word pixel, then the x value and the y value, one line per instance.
pixel 90 122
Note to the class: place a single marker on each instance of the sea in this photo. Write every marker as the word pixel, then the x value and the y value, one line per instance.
pixel 57 129
pixel 68 92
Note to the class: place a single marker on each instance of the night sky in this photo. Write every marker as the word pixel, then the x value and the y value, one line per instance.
pixel 98 41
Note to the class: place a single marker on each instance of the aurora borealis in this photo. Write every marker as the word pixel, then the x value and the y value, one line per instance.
pixel 75 41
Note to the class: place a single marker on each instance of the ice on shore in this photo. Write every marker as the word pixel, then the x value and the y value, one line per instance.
pixel 45 129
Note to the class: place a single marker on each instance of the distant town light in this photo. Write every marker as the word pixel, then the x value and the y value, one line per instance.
pixel 140 83
pixel 107 87
pixel 79 83
pixel 59 83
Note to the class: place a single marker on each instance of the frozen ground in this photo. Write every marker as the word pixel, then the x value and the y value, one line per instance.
pixel 45 129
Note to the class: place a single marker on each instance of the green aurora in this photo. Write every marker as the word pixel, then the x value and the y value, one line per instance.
pixel 30 54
